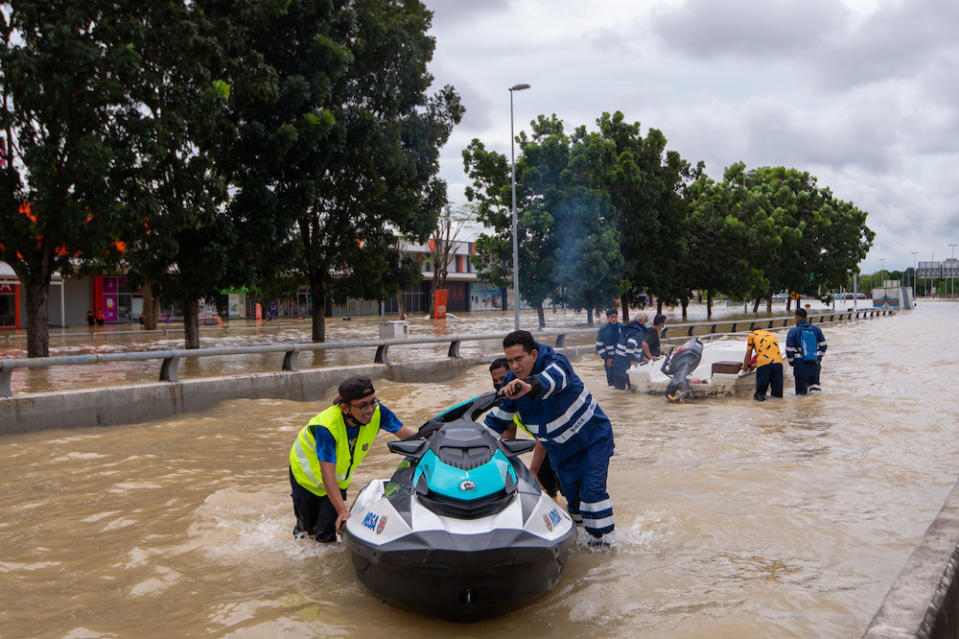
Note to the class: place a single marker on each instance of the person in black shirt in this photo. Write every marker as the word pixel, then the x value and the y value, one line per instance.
pixel 651 348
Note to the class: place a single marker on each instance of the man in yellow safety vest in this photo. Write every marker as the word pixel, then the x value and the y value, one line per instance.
pixel 328 450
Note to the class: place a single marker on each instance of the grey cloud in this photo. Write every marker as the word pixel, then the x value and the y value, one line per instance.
pixel 703 28
pixel 451 12
pixel 897 40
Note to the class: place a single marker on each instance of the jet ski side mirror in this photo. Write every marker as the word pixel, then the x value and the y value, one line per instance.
pixel 410 447
pixel 517 446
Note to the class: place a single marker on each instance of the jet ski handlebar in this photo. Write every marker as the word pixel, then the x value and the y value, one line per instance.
pixel 472 408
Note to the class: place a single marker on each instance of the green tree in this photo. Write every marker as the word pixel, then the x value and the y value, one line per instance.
pixel 341 155
pixel 590 264
pixel 544 156
pixel 181 241
pixel 64 71
pixel 646 185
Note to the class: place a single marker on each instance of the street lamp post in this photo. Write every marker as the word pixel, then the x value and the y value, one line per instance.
pixel 512 156
pixel 882 276
pixel 952 280
pixel 914 254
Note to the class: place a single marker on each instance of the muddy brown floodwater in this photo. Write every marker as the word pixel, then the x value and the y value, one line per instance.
pixel 788 518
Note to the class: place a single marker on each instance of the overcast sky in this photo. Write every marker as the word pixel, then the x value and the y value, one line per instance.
pixel 863 94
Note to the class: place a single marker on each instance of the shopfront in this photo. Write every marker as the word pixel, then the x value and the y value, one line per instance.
pixel 114 301
pixel 9 304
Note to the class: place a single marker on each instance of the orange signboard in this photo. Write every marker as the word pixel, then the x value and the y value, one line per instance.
pixel 439 304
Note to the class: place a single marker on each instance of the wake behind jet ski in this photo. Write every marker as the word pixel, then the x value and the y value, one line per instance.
pixel 678 365
pixel 462 529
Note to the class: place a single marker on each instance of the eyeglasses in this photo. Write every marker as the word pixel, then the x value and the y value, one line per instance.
pixel 366 405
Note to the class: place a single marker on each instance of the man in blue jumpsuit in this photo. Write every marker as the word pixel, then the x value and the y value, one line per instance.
pixel 629 350
pixel 606 340
pixel 805 346
pixel 555 406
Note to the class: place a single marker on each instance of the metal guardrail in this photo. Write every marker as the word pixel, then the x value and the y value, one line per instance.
pixel 170 359
pixel 93 333
pixel 816 317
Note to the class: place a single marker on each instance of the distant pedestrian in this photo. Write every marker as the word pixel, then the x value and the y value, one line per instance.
pixel 606 340
pixel 805 346
pixel 90 319
pixel 768 363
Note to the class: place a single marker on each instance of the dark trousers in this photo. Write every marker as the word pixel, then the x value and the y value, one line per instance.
pixel 620 379
pixel 315 515
pixel 769 375
pixel 806 374
pixel 547 477
pixel 610 375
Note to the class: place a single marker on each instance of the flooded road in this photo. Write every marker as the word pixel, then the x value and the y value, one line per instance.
pixel 788 518
pixel 242 333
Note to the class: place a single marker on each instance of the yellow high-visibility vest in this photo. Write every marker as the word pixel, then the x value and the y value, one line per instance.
pixel 303 460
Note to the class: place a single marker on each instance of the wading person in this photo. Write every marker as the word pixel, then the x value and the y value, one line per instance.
pixel 328 450
pixel 629 350
pixel 805 346
pixel 769 363
pixel 544 473
pixel 606 340
pixel 554 405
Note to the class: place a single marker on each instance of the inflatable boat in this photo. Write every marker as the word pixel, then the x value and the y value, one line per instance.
pixel 461 530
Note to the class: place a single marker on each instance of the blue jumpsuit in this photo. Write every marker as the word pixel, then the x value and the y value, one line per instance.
pixel 629 349
pixel 806 373
pixel 606 340
pixel 577 435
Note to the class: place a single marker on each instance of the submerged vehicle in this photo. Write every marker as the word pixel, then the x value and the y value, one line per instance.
pixel 462 530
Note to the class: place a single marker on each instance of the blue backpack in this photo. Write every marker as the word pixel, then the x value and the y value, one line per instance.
pixel 808 344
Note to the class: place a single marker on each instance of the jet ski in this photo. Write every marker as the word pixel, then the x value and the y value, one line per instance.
pixel 462 530
pixel 678 365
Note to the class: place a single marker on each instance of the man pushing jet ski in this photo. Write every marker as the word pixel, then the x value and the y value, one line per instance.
pixel 555 406
pixel 328 450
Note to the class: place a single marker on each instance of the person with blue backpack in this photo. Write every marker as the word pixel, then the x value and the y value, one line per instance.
pixel 805 346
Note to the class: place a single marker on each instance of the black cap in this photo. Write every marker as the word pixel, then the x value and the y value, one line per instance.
pixel 356 387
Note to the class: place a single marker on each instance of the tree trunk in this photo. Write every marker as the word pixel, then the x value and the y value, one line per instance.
pixel 659 305
pixel 434 286
pixel 399 304
pixel 624 303
pixel 149 308
pixel 318 291
pixel 191 323
pixel 789 302
pixel 589 317
pixel 759 298
pixel 769 304
pixel 685 305
pixel 709 304
pixel 38 321
pixel 540 315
